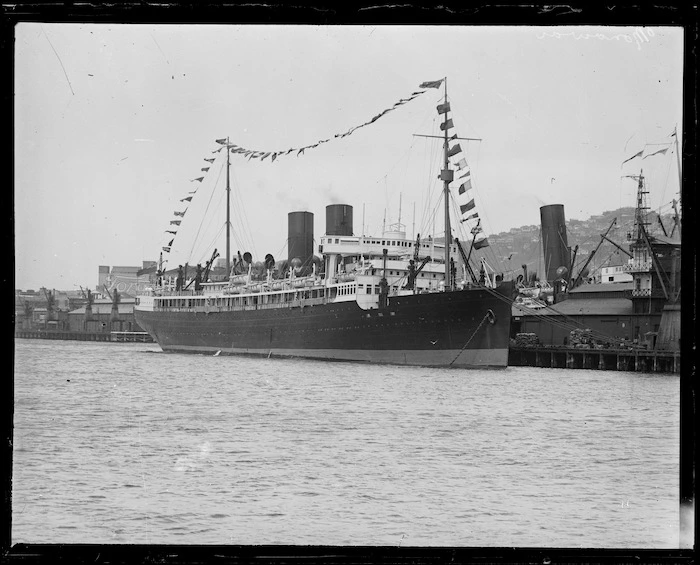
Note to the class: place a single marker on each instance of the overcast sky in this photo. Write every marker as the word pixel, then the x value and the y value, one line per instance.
pixel 112 123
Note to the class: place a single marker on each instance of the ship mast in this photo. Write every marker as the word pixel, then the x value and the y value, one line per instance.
pixel 228 211
pixel 447 177
pixel 676 218
pixel 640 222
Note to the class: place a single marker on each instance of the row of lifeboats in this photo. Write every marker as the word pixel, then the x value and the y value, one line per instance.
pixel 287 284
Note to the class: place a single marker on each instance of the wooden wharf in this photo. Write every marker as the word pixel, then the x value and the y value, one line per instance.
pixel 114 336
pixel 555 357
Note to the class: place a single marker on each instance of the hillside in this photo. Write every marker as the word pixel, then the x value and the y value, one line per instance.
pixel 523 246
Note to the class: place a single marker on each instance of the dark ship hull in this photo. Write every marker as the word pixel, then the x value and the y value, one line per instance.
pixel 465 328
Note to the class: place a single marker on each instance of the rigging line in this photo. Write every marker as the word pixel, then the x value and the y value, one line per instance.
pixel 400 159
pixel 197 243
pixel 490 252
pixel 408 150
pixel 432 165
pixel 212 220
pixel 404 158
pixel 567 323
pixel 205 254
pixel 668 172
pixel 489 313
pixel 211 196
pixel 433 214
pixel 455 95
pixel 239 234
pixel 464 238
pixel 428 219
pixel 241 209
pixel 202 247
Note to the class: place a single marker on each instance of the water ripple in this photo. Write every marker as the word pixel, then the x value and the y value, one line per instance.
pixel 142 447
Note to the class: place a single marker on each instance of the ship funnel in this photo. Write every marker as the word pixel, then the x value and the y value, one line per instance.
pixel 300 242
pixel 554 243
pixel 339 219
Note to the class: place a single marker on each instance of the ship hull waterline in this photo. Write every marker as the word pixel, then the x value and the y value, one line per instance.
pixel 463 329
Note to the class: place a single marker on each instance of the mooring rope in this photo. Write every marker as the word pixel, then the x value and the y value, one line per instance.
pixel 488 316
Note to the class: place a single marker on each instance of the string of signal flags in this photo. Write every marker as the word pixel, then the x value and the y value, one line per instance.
pixel 262 155
pixel 235 149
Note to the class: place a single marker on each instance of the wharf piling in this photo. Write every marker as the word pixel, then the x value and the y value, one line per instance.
pixel 639 360
pixel 122 337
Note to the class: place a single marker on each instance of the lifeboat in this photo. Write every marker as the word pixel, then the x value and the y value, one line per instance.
pixel 346 277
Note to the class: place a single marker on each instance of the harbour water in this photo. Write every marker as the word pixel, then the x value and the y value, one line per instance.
pixel 121 443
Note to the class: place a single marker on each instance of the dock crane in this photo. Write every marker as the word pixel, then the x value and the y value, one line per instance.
pixel 603 237
pixel 50 305
pixel 114 314
pixel 27 310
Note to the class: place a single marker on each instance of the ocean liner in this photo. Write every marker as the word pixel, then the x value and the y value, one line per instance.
pixel 380 299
